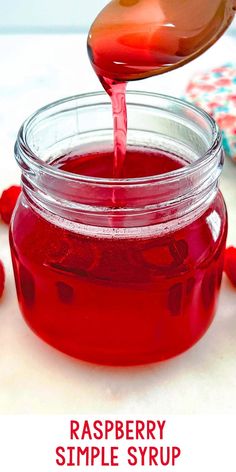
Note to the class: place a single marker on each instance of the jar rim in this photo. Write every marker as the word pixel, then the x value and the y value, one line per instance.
pixel 23 151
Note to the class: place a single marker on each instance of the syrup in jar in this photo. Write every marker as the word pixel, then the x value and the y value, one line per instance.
pixel 118 246
pixel 125 280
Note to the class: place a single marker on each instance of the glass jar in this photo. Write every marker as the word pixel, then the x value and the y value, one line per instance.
pixel 129 283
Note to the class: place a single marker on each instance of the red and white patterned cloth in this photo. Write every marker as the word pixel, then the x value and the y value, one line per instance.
pixel 215 92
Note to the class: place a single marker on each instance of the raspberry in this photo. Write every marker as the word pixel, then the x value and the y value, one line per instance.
pixel 230 264
pixel 2 278
pixel 8 201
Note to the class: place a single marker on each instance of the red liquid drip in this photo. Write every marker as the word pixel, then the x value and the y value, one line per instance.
pixel 117 300
pixel 117 90
pixel 134 39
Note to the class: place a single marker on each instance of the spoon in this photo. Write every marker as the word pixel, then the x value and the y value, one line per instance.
pixel 134 39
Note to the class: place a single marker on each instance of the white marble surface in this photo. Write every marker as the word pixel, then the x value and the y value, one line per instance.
pixel 35 378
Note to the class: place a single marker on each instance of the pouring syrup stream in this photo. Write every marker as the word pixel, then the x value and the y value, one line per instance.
pixel 135 39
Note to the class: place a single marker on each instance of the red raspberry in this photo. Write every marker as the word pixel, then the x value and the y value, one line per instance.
pixel 230 264
pixel 8 201
pixel 2 278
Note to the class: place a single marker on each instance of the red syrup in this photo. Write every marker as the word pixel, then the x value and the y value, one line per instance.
pixel 117 92
pixel 119 300
pixel 135 39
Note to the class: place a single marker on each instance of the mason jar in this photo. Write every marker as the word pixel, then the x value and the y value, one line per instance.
pixel 130 282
